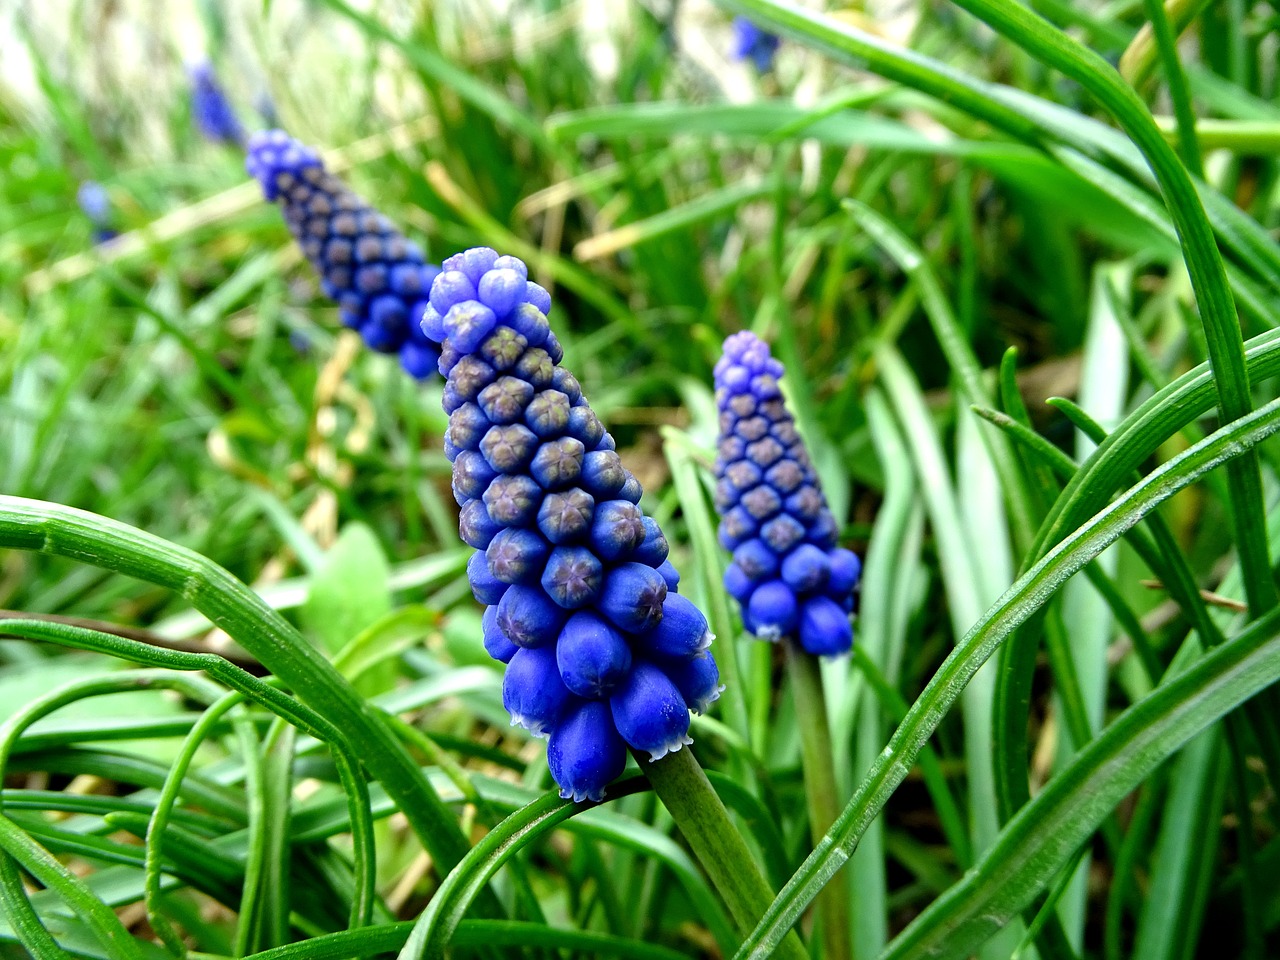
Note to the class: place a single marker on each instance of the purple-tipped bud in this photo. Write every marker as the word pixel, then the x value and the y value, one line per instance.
pixel 566 516
pixel 538 296
pixel 509 448
pixel 516 555
pixel 773 515
pixel 527 616
pixel 468 323
pixel 632 597
pixel 475 527
pixel 486 588
pixel 618 528
pixel 593 657
pixel 512 499
pixel 471 475
pixel 649 712
pixel 683 632
pixel 496 643
pixel 573 577
pixel 585 753
pixel 378 278
pixel 532 690
pixel 558 463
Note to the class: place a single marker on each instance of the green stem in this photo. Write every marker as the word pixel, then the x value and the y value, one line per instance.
pixel 1167 45
pixel 820 792
pixel 687 794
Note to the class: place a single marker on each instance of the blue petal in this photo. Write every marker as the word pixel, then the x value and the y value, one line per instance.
pixel 649 712
pixel 585 753
pixel 593 657
pixel 532 690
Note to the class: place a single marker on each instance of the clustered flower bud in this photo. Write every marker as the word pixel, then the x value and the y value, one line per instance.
pixel 787 574
pixel 379 280
pixel 602 653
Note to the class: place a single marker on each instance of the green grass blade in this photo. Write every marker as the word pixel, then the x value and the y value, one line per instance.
pixel 1030 592
pixel 1048 831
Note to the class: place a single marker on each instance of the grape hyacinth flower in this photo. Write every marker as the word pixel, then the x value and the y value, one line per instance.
pixel 379 279
pixel 752 43
pixel 602 653
pixel 96 205
pixel 788 574
pixel 213 114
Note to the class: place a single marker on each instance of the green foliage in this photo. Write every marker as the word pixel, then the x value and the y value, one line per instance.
pixel 940 222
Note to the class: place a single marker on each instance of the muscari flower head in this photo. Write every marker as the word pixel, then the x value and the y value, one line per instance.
pixel 96 205
pixel 379 280
pixel 212 111
pixel 602 653
pixel 787 573
pixel 752 43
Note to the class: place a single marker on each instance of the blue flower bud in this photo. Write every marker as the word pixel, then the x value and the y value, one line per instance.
pixel 593 657
pixel 566 516
pixel 697 679
pixel 632 597
pixel 502 290
pixel 547 414
pixel 473 263
pixel 528 617
pixel 532 691
pixel 772 609
pixel 530 322
pixel 773 515
pixel 505 400
pixel 649 712
pixel 509 448
pixel 516 555
pixel 653 549
pixel 475 527
pixel 631 490
pixel 451 288
pixel 603 474
pixel 538 297
pixel 471 475
pixel 467 427
pixel 585 753
pixel 496 643
pixel 573 577
pixel 378 278
pixel 558 463
pixel 670 575
pixel 806 569
pixel 824 627
pixel 618 528
pixel 683 632
pixel 512 499
pixel 484 585
pixel 846 569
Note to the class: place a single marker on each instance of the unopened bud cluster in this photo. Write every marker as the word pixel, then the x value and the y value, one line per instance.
pixel 788 574
pixel 602 653
pixel 378 278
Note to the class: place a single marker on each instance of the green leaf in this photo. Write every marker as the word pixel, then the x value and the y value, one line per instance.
pixel 349 591
pixel 1026 596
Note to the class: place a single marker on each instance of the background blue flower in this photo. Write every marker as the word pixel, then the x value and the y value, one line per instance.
pixel 378 278
pixel 788 574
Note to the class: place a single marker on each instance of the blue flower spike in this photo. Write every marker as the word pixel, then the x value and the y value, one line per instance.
pixel 95 203
pixel 788 574
pixel 752 43
pixel 379 280
pixel 602 654
pixel 211 109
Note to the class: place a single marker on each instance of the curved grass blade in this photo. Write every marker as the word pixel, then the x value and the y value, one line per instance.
pixel 1042 838
pixel 435 927
pixel 228 603
pixel 1028 594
